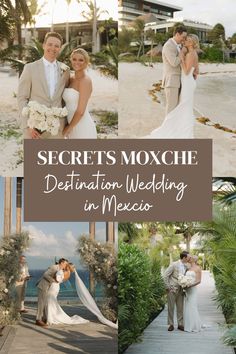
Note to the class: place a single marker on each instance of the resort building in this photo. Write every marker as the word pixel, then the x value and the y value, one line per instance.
pixel 201 29
pixel 129 10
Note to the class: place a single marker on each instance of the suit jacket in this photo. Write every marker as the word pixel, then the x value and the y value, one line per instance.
pixel 33 87
pixel 171 65
pixel 48 277
pixel 171 275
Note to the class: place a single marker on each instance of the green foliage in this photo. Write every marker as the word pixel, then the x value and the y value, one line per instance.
pixel 141 292
pixel 230 336
pixel 212 54
pixel 102 261
pixel 217 34
pixel 11 249
pixel 125 38
pixel 221 242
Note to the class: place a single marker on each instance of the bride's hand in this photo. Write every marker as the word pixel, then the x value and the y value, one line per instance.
pixel 66 131
pixel 34 134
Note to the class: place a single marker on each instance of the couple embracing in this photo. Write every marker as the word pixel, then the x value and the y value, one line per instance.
pixel 49 311
pixel 180 70
pixel 46 85
pixel 181 279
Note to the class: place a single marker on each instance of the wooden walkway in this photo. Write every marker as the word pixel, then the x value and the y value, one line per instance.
pixel 27 338
pixel 157 340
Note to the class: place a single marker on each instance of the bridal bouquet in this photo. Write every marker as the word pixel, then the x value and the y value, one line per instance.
pixel 185 281
pixel 43 118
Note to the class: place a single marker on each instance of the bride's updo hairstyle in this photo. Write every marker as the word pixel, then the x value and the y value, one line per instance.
pixel 195 40
pixel 82 52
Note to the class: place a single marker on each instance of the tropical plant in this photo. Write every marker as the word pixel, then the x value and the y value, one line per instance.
pixel 139 26
pixel 11 248
pixel 141 293
pixel 220 239
pixel 226 189
pixel 128 231
pixel 92 14
pixel 6 23
pixel 101 261
pixel 19 13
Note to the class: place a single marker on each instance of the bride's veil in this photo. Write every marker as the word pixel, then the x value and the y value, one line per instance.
pixel 88 301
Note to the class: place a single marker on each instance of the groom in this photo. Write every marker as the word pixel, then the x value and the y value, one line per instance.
pixel 171 53
pixel 44 81
pixel 43 285
pixel 175 295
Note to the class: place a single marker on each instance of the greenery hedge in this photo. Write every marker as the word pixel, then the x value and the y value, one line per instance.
pixel 141 293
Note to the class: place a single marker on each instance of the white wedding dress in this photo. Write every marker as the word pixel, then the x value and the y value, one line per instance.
pixel 192 322
pixel 179 123
pixel 85 128
pixel 54 312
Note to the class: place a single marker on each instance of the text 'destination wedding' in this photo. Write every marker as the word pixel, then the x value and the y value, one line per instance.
pixel 116 180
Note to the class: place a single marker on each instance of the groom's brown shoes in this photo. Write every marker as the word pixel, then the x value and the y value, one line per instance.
pixel 171 328
pixel 181 328
pixel 40 323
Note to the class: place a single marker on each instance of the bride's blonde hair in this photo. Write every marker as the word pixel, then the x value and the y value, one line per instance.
pixel 195 40
pixel 82 52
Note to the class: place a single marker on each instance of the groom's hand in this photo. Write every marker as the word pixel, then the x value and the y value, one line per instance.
pixel 34 134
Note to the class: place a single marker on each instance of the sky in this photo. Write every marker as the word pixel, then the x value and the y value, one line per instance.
pixel 51 239
pixel 209 11
pixel 61 12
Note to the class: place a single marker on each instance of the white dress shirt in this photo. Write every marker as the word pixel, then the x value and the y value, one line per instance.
pixel 51 71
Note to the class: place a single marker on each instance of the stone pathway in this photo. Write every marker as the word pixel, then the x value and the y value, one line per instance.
pixel 157 340
pixel 91 338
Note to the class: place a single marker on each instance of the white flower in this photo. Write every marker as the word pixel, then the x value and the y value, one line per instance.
pixel 25 111
pixel 5 291
pixel 63 67
pixel 109 285
pixel 114 287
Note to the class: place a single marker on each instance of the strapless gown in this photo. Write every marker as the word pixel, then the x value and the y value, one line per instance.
pixel 179 123
pixel 192 322
pixel 85 128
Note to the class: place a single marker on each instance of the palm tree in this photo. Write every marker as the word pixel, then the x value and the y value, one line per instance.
pixel 139 26
pixel 169 244
pixel 92 15
pixel 129 230
pixel 226 189
pixel 20 13
pixel 6 23
pixel 67 21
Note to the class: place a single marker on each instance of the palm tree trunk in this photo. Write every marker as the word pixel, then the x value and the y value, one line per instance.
pixel 94 46
pixel 7 206
pixel 110 232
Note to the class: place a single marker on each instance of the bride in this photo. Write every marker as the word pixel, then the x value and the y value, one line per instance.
pixel 179 123
pixel 192 322
pixel 54 312
pixel 76 97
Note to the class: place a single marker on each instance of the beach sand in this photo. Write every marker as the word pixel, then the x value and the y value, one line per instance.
pixel 214 99
pixel 104 97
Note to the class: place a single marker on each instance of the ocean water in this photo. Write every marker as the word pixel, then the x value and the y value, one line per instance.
pixel 67 289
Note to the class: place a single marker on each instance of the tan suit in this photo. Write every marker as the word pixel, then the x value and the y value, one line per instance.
pixel 175 293
pixel 171 74
pixel 21 284
pixel 33 87
pixel 43 285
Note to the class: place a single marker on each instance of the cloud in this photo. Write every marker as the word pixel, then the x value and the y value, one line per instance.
pixel 48 245
pixel 211 12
